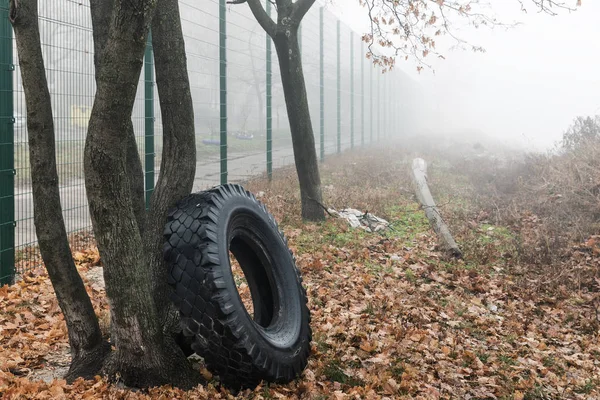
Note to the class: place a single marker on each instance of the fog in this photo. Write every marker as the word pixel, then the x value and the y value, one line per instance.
pixel 525 89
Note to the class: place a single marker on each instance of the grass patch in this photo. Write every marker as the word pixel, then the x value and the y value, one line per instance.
pixel 334 373
pixel 406 222
pixel 586 388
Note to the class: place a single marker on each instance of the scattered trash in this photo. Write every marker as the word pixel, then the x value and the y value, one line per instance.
pixel 493 308
pixel 358 219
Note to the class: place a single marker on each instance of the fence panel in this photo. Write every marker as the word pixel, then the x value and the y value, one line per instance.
pixel 240 115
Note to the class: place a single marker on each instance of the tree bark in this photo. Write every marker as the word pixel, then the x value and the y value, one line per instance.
pixel 101 12
pixel 141 356
pixel 296 101
pixel 419 177
pixel 285 37
pixel 178 164
pixel 87 345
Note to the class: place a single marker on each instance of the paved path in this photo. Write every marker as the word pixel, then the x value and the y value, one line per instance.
pixel 74 201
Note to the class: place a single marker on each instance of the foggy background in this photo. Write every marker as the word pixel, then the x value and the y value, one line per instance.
pixel 525 90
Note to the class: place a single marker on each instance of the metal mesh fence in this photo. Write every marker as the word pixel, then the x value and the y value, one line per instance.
pixel 227 57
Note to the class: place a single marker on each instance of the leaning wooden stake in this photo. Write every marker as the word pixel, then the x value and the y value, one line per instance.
pixel 419 177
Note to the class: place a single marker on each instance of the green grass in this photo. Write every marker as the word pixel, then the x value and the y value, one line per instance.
pixel 410 276
pixel 398 369
pixel 333 372
pixel 507 360
pixel 332 232
pixel 536 393
pixel 406 222
pixel 483 357
pixel 493 234
pixel 586 388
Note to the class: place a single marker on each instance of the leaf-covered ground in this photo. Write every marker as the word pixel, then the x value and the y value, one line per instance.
pixel 391 316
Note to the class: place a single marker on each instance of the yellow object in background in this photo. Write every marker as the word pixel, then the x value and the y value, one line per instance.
pixel 80 115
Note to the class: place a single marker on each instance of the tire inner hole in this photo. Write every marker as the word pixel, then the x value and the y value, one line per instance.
pixel 241 283
pixel 252 282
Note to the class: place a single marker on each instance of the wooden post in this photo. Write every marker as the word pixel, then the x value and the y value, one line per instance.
pixel 419 177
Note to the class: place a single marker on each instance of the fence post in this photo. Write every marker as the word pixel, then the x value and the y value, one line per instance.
pixel 321 85
pixel 398 121
pixel 371 68
pixel 378 105
pixel 385 105
pixel 223 87
pixel 269 99
pixel 149 119
pixel 392 107
pixel 339 88
pixel 7 167
pixel 362 93
pixel 351 89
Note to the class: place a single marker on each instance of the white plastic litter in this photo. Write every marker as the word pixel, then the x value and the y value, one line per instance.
pixel 358 219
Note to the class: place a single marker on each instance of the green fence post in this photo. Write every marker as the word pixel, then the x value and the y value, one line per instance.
pixel 371 68
pixel 378 105
pixel 362 93
pixel 322 85
pixel 351 90
pixel 149 119
pixel 7 167
pixel 392 111
pixel 339 94
pixel 385 105
pixel 396 110
pixel 223 87
pixel 269 99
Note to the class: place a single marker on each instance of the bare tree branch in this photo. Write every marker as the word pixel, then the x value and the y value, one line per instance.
pixel 410 28
pixel 301 7
pixel 260 14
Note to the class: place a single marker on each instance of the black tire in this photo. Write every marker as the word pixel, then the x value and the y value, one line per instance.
pixel 201 229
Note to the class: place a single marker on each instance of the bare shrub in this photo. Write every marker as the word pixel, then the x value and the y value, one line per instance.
pixel 552 202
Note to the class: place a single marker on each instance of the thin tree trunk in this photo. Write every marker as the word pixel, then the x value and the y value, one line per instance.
pixel 303 140
pixel 178 164
pixel 101 12
pixel 87 345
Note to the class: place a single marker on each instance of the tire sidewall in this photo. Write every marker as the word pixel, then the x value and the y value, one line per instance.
pixel 284 269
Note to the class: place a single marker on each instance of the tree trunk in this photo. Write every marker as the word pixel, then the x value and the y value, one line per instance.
pixel 303 140
pixel 141 357
pixel 87 345
pixel 178 164
pixel 101 12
